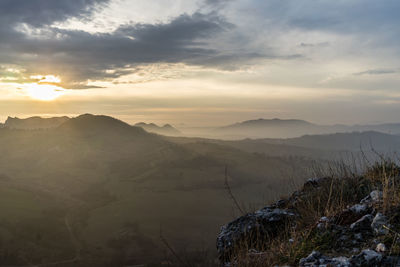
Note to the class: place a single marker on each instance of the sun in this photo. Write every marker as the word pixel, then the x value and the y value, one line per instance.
pixel 46 88
pixel 44 92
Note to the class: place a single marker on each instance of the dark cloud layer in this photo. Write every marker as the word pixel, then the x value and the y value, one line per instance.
pixel 44 12
pixel 29 39
pixel 80 56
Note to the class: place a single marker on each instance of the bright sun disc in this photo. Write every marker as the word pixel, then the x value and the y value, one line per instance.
pixel 44 92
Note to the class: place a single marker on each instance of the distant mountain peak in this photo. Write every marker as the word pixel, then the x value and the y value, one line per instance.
pixel 168 126
pixel 95 120
pixel 270 122
pixel 35 122
pixel 167 129
pixel 98 123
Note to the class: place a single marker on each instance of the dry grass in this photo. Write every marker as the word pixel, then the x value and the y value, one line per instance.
pixel 344 186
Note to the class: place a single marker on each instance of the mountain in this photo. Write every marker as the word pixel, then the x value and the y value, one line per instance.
pixel 277 128
pixel 389 128
pixel 343 147
pixel 355 141
pixel 269 123
pixel 34 123
pixel 99 125
pixel 273 128
pixel 330 147
pixel 167 129
pixel 99 190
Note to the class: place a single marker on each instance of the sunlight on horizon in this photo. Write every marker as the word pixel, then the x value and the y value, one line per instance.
pixel 46 89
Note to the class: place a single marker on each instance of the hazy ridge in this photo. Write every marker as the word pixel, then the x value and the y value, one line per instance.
pixel 106 187
pixel 115 185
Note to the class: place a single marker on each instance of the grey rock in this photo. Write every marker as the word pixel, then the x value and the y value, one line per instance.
pixel 252 230
pixel 358 237
pixel 363 224
pixel 381 248
pixel 367 257
pixel 313 258
pixel 340 262
pixel 322 223
pixel 374 196
pixel 359 208
pixel 316 259
pixel 378 224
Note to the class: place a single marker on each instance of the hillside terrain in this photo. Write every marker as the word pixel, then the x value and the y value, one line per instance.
pixel 278 128
pixel 339 146
pixel 106 188
pixel 354 141
pixel 118 195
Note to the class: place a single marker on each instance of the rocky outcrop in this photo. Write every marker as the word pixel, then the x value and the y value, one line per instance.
pixel 252 230
pixel 358 235
pixel 367 257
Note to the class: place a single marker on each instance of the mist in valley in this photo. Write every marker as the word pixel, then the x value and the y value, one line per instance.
pixel 96 191
pixel 199 133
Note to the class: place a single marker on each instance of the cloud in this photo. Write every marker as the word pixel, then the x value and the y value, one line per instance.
pixel 225 35
pixel 217 3
pixel 322 44
pixel 22 21
pixel 354 16
pixel 79 56
pixel 45 12
pixel 376 72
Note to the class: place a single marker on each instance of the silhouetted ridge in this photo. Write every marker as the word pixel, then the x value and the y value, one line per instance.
pixel 269 122
pixel 167 129
pixel 34 122
pixel 143 124
pixel 99 124
pixel 290 128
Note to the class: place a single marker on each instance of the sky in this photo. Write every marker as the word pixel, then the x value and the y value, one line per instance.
pixel 201 62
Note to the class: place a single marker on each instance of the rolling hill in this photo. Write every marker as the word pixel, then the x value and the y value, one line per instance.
pixel 107 188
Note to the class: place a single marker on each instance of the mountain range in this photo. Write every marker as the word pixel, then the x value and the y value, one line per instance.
pixel 103 188
pixel 34 122
pixel 278 128
pixel 167 129
pixel 255 129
